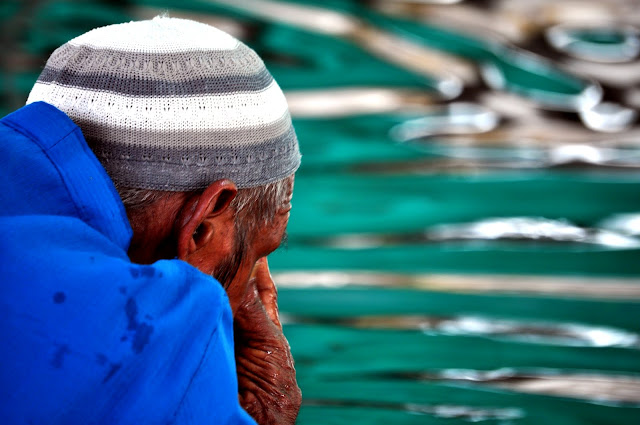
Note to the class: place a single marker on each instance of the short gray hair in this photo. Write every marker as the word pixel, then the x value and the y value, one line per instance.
pixel 252 206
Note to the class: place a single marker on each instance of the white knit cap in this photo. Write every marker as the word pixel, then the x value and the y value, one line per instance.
pixel 172 104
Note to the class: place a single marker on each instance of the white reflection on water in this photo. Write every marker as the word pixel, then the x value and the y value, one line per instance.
pixel 454 118
pixel 539 332
pixel 520 229
pixel 591 386
pixel 595 387
pixel 628 224
pixel 475 414
pixel 572 287
pixel 445 411
pixel 561 334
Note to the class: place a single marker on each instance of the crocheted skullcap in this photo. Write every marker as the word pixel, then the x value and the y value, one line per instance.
pixel 172 104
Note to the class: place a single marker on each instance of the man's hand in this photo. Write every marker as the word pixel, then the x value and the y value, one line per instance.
pixel 267 386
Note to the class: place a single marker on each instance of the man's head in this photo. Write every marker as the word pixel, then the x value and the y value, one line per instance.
pixel 193 131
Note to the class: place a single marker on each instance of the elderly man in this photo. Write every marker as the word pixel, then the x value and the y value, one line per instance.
pixel 110 310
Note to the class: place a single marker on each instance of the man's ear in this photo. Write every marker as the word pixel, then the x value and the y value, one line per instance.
pixel 194 225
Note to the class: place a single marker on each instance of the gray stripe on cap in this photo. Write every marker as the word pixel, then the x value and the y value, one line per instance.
pixel 183 139
pixel 192 168
pixel 136 86
pixel 179 66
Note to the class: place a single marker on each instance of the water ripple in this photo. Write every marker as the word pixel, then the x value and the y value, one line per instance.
pixel 583 287
pixel 468 413
pixel 594 387
pixel 562 334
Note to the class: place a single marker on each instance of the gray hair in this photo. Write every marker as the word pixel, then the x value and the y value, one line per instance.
pixel 252 206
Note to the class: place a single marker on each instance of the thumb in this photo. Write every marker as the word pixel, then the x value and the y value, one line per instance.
pixel 266 290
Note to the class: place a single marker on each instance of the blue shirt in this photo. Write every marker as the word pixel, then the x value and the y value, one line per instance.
pixel 87 336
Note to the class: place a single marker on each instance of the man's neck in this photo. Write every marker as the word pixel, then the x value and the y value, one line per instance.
pixel 152 233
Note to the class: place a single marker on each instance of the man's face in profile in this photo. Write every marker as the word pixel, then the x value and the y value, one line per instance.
pixel 251 242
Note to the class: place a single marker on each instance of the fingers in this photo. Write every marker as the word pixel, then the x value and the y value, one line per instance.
pixel 267 290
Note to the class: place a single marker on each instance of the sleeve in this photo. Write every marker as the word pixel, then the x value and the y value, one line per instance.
pixel 208 394
pixel 179 365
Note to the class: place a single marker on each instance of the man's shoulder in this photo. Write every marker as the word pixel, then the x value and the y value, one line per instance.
pixel 50 170
pixel 93 335
pixel 41 122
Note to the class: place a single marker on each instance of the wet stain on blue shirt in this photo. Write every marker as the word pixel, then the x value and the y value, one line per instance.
pixel 112 371
pixel 142 271
pixel 101 359
pixel 58 357
pixel 141 330
pixel 59 297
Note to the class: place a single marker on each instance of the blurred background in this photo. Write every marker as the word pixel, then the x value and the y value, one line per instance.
pixel 465 238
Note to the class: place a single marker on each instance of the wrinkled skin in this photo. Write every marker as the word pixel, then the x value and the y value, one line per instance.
pixel 267 387
pixel 204 235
